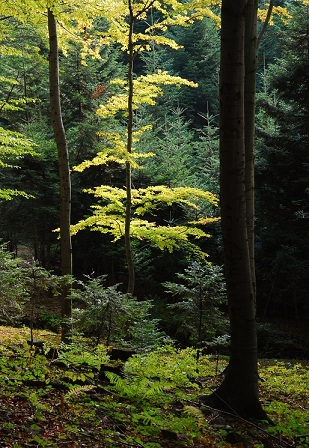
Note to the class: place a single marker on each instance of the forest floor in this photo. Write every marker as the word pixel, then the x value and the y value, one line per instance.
pixel 66 402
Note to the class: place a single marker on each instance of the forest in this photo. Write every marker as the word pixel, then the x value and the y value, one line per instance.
pixel 154 268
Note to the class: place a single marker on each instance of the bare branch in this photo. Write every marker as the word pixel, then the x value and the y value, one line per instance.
pixel 265 24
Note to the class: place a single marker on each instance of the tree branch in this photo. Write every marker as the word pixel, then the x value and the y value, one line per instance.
pixel 265 24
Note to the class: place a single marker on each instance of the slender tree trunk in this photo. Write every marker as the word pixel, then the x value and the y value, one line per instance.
pixel 239 391
pixel 128 246
pixel 64 168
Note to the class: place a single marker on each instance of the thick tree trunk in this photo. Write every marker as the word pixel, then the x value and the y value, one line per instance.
pixel 239 391
pixel 64 167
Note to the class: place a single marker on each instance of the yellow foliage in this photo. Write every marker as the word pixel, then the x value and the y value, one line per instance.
pixel 109 215
pixel 172 12
pixel 146 89
pixel 116 151
pixel 282 13
pixel 204 221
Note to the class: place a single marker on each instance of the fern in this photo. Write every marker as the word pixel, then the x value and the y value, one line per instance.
pixel 196 413
pixel 76 391
pixel 138 390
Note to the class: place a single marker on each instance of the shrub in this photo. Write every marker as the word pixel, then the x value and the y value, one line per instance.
pixel 12 295
pixel 106 313
pixel 200 293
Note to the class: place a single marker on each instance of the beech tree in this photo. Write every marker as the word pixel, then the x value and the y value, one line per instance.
pixel 237 87
pixel 125 22
pixel 239 390
pixel 55 10
pixel 13 144
pixel 64 167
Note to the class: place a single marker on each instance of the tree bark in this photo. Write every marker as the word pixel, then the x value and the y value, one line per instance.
pixel 127 236
pixel 250 54
pixel 266 23
pixel 64 168
pixel 239 391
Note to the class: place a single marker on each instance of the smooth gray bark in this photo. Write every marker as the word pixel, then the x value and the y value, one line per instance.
pixel 239 390
pixel 64 167
pixel 127 236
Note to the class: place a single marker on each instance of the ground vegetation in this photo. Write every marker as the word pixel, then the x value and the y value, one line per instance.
pixel 139 86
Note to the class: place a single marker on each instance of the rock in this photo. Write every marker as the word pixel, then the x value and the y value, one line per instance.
pixel 235 439
pixel 114 369
pixel 118 354
pixel 169 435
pixel 59 363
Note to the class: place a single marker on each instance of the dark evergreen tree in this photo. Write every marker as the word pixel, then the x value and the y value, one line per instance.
pixel 198 61
pixel 282 176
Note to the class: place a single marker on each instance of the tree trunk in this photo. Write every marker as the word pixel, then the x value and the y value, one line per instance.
pixel 128 246
pixel 64 168
pixel 249 104
pixel 239 391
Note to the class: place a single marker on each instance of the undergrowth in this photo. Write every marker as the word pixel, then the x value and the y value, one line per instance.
pixel 151 403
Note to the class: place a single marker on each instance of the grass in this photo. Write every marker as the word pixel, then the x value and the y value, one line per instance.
pixel 153 404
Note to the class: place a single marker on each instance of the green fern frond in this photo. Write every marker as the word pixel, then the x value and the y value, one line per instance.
pixel 140 388
pixel 76 391
pixel 192 410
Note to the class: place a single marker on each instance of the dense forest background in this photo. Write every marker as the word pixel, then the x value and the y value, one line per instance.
pixel 184 138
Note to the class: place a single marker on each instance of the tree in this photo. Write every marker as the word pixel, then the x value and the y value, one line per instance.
pixel 282 175
pixel 250 62
pixel 106 313
pixel 199 293
pixel 124 28
pixel 13 144
pixel 198 60
pixel 64 167
pixel 109 215
pixel 11 287
pixel 239 389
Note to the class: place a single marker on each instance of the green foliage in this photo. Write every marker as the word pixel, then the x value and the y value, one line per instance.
pixel 158 394
pixel 76 391
pixel 205 158
pixel 23 287
pixel 286 385
pixel 79 353
pixel 128 25
pixel 198 60
pixel 273 342
pixel 110 217
pixel 14 101
pixel 201 292
pixel 147 88
pixel 109 314
pixel 12 294
pixel 170 139
pixel 169 366
pixel 40 284
pixel 155 382
pixel 170 13
pixel 49 321
pixel 282 174
pixel 13 146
